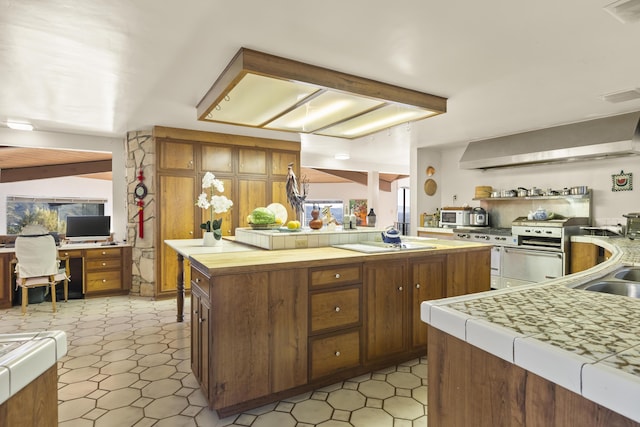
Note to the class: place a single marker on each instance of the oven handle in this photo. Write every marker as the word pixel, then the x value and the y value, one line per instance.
pixel 534 252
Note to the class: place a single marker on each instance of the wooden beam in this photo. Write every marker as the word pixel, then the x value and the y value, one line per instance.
pixel 54 171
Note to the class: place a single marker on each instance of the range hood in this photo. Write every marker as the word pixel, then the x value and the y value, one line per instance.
pixel 594 139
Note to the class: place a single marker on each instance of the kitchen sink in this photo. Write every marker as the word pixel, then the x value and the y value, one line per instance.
pixel 625 281
pixel 628 289
pixel 370 247
pixel 628 273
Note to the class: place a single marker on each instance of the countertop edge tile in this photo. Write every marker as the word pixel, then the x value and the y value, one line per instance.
pixel 450 321
pixel 613 389
pixel 493 339
pixel 5 384
pixel 29 365
pixel 551 363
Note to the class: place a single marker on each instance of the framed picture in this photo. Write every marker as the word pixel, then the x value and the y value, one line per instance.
pixel 622 181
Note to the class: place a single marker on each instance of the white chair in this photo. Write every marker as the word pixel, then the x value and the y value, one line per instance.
pixel 38 264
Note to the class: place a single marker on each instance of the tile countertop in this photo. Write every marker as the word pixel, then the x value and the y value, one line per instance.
pixel 587 342
pixel 25 356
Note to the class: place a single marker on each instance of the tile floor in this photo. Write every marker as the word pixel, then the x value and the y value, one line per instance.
pixel 128 365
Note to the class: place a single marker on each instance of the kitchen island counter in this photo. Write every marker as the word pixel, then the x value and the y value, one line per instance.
pixel 585 342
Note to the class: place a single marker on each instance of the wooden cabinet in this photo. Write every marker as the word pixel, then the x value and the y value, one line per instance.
pixel 279 331
pixel 427 283
pixel 387 304
pixel 107 271
pixel 6 286
pixel 253 170
pixel 586 255
pixel 335 319
pixel 200 315
pixel 468 272
pixel 265 351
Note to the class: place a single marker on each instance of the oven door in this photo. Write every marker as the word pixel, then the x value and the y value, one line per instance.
pixel 523 266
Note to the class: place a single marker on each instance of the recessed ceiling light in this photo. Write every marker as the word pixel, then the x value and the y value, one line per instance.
pixel 19 126
pixel 342 156
pixel 265 91
pixel 622 96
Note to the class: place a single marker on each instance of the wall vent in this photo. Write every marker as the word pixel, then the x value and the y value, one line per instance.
pixel 622 96
pixel 625 11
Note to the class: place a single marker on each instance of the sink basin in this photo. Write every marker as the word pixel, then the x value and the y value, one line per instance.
pixel 371 247
pixel 630 273
pixel 628 289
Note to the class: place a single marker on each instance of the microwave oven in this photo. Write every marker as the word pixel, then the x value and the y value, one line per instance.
pixel 455 217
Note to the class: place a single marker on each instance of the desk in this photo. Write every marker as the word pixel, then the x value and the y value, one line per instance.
pixel 104 270
pixel 187 247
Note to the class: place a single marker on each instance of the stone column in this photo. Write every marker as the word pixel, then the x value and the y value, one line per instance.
pixel 140 146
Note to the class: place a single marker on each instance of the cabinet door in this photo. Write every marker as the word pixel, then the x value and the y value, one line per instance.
pixel 253 162
pixel 427 284
pixel 251 194
pixel 176 155
pixel 240 331
pixel 288 313
pixel 468 272
pixel 583 256
pixel 386 301
pixel 177 222
pixel 217 159
pixel 200 340
pixel 6 286
pixel 280 162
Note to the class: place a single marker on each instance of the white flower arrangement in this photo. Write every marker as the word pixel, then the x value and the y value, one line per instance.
pixel 216 203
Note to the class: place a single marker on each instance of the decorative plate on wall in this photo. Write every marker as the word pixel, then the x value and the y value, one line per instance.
pixel 430 187
pixel 622 181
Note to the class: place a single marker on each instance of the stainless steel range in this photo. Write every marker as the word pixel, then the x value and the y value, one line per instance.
pixel 529 252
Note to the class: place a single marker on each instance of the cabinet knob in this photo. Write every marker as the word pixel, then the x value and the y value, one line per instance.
pixel 197 280
pixel 337 275
pixel 417 285
pixel 337 309
pixel 104 253
pixel 200 320
pixel 66 254
pixel 195 312
pixel 191 232
pixel 104 263
pixel 399 288
pixel 337 354
pixel 104 280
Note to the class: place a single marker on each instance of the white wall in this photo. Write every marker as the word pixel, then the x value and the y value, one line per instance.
pixel 386 208
pixel 118 196
pixel 608 206
pixel 68 187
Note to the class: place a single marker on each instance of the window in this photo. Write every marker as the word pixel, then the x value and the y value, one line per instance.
pixel 336 206
pixel 49 212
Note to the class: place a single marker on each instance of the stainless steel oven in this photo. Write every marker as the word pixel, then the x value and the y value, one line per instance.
pixel 525 266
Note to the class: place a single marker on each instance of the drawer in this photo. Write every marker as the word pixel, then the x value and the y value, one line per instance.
pixel 76 253
pixel 334 353
pixel 102 264
pixel 103 253
pixel 200 280
pixel 335 309
pixel 103 281
pixel 338 275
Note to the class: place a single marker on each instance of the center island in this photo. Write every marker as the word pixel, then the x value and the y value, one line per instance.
pixel 270 324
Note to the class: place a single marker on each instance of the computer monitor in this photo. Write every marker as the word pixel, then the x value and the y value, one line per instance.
pixel 89 227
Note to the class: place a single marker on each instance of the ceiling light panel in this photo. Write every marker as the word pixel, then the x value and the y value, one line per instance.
pixel 625 11
pixel 386 117
pixel 324 110
pixel 261 90
pixel 258 99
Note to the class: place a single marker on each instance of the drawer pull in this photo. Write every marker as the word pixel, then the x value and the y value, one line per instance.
pixel 337 354
pixel 417 285
pixel 399 288
pixel 337 275
pixel 337 309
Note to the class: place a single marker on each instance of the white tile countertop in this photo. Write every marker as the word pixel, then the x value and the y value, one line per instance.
pixel 25 356
pixel 587 342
